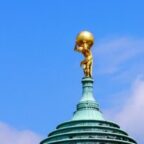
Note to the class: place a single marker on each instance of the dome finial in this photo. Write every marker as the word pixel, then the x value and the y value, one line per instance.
pixel 84 42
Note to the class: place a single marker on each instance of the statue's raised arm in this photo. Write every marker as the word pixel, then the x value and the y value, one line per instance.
pixel 84 42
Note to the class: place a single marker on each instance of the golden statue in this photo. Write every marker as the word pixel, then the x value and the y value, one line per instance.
pixel 84 42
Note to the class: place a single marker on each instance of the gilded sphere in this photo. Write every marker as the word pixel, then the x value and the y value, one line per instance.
pixel 85 36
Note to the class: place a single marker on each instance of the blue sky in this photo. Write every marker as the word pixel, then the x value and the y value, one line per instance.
pixel 39 71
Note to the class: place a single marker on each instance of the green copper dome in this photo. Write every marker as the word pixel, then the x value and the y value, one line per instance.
pixel 88 125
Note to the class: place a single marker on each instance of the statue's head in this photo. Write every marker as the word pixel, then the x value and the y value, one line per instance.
pixel 85 37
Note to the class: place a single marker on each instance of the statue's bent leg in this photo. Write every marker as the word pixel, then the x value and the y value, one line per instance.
pixel 89 68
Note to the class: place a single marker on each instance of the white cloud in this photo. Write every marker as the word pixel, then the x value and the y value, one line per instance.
pixel 111 55
pixel 131 115
pixel 9 135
